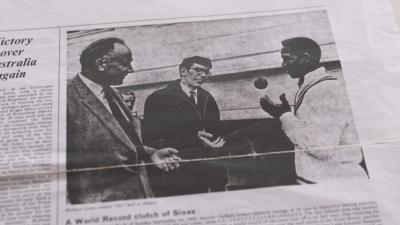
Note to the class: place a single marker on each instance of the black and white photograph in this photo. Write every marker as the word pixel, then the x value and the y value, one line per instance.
pixel 206 106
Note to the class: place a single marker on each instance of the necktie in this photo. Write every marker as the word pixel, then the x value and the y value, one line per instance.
pixel 123 119
pixel 193 97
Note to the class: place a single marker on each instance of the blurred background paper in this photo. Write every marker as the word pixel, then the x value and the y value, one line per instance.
pixel 396 9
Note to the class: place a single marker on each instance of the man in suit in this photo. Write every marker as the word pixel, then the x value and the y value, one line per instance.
pixel 320 125
pixel 104 150
pixel 185 116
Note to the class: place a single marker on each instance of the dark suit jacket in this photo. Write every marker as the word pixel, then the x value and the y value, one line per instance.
pixel 95 140
pixel 171 120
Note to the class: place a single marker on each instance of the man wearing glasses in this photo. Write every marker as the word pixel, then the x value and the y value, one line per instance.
pixel 185 116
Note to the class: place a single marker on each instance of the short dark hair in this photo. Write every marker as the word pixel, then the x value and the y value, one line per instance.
pixel 96 50
pixel 188 62
pixel 304 44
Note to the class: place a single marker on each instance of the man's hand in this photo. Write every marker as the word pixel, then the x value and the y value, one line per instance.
pixel 205 138
pixel 275 110
pixel 166 159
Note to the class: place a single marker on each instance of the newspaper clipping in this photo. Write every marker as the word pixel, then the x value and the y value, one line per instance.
pixel 276 114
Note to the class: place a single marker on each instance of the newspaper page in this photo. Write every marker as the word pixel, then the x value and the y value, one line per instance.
pixel 199 113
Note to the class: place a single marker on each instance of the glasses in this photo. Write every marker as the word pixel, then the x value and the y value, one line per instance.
pixel 201 70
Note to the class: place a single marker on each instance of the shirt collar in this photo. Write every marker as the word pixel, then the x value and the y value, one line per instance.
pixel 94 87
pixel 187 90
pixel 314 76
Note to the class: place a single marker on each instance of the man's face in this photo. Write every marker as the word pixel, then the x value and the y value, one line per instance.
pixel 115 65
pixel 129 98
pixel 195 75
pixel 294 62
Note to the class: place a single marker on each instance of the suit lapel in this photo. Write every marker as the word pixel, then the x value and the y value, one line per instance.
pixel 90 101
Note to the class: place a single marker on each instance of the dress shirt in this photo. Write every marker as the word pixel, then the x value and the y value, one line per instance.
pixel 188 91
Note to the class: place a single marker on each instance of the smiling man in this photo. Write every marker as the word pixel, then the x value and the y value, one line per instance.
pixel 320 125
pixel 104 148
pixel 185 116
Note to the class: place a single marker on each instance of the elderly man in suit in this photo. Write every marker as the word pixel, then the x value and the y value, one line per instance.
pixel 104 150
pixel 320 125
pixel 185 116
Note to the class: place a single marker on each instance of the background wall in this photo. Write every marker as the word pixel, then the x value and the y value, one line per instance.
pixel 241 49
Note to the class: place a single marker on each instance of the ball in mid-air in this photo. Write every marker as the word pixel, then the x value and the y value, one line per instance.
pixel 261 83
